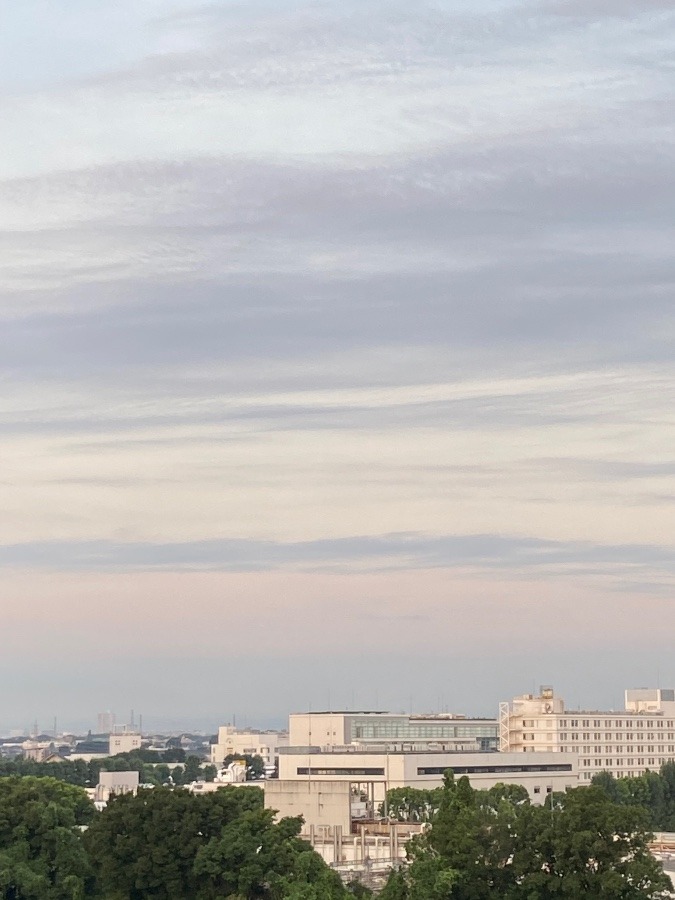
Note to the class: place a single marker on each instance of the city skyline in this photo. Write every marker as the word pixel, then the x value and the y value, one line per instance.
pixel 337 353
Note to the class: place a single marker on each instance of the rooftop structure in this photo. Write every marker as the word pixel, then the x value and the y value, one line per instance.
pixel 446 730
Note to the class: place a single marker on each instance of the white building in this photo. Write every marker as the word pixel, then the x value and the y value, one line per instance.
pixel 441 731
pixel 110 783
pixel 264 744
pixel 627 742
pixel 124 743
pixel 383 768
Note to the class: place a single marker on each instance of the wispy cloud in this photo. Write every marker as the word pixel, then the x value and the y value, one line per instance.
pixel 295 288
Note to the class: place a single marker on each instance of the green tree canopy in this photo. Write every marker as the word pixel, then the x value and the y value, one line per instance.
pixel 496 844
pixel 41 852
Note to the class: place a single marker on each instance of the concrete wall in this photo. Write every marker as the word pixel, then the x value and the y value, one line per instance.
pixel 320 803
pixel 319 729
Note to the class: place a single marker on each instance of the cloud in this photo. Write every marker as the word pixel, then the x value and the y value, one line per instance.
pixel 519 556
pixel 298 290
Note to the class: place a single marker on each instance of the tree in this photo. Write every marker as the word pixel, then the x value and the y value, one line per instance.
pixel 171 845
pixel 193 769
pixel 408 804
pixel 486 844
pixel 41 852
pixel 584 845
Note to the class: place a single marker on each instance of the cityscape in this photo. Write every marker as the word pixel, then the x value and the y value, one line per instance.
pixel 337 450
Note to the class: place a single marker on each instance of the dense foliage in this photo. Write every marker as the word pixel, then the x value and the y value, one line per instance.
pixel 41 852
pixel 654 791
pixel 487 844
pixel 162 844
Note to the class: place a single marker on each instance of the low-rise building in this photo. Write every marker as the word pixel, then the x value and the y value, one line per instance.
pixel 110 783
pixel 124 742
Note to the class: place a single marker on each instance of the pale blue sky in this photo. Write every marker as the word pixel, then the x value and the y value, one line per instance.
pixel 335 332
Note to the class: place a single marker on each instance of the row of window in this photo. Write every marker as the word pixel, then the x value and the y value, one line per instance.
pixel 605 749
pixel 496 770
pixel 608 764
pixel 601 723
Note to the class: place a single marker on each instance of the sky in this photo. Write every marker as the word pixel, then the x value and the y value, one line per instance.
pixel 337 356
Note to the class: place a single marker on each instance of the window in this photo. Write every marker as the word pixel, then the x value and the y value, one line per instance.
pixel 584 723
pixel 537 790
pixel 586 736
pixel 574 723
pixel 618 723
pixel 608 763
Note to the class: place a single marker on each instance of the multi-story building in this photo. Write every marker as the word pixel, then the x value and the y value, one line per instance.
pixel 437 731
pixel 264 744
pixel 106 722
pixel 626 742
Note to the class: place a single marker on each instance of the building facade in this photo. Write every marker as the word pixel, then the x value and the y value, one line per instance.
pixel 384 768
pixel 623 743
pixel 124 743
pixel 441 731
pixel 264 744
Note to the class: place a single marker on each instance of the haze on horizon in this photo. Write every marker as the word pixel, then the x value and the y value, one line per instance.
pixel 336 347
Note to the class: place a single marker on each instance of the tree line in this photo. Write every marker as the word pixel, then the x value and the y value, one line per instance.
pixel 653 791
pixel 152 768
pixel 168 844
pixel 162 843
